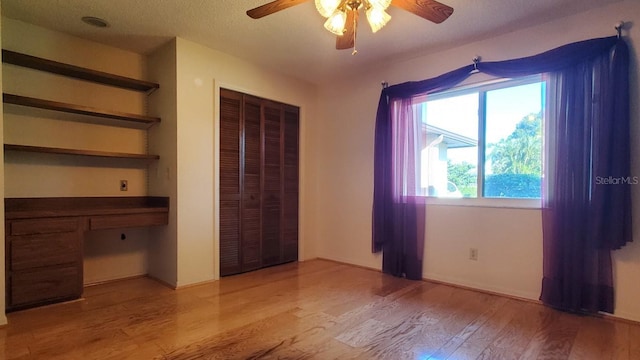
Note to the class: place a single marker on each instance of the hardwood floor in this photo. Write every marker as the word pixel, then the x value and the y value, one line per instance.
pixel 312 310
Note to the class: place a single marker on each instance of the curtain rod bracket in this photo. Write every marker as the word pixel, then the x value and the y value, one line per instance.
pixel 476 59
pixel 619 26
pixel 384 84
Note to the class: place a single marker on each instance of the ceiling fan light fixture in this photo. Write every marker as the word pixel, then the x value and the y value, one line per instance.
pixel 342 15
pixel 336 22
pixel 381 4
pixel 326 8
pixel 377 18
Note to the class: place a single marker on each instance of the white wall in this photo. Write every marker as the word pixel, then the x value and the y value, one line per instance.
pixel 35 175
pixel 200 72
pixel 509 240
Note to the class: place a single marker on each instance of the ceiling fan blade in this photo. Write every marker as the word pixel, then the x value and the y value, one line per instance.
pixel 272 7
pixel 347 41
pixel 428 9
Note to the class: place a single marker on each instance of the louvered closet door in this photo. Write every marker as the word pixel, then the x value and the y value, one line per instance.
pixel 251 237
pixel 272 183
pixel 258 182
pixel 290 185
pixel 230 187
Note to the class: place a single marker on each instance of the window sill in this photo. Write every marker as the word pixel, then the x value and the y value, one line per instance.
pixel 530 204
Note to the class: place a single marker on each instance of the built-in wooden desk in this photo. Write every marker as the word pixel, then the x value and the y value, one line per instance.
pixel 44 238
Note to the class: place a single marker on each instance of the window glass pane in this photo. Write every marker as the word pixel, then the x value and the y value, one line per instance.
pixel 449 159
pixel 513 137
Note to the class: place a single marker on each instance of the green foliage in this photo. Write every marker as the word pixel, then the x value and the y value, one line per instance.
pixel 520 152
pixel 461 174
pixel 516 164
pixel 513 185
pixel 464 176
pixel 469 191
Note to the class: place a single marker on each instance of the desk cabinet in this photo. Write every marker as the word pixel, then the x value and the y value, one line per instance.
pixel 44 261
pixel 44 239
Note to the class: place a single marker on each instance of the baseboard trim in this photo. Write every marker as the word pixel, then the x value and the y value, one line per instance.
pixel 109 281
pixel 488 292
pixel 181 287
pixel 350 264
pixel 613 317
pixel 162 282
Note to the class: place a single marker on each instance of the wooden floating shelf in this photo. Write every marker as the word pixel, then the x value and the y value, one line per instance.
pixel 93 153
pixel 78 109
pixel 54 67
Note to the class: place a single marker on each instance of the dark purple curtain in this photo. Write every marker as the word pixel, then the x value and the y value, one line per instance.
pixel 585 215
pixel 587 210
pixel 398 203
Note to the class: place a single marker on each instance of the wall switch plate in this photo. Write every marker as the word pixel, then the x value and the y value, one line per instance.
pixel 124 185
pixel 473 254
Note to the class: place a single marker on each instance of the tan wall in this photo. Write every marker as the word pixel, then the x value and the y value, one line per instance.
pixel 509 240
pixel 36 175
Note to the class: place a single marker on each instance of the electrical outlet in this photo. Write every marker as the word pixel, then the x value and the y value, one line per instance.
pixel 124 185
pixel 473 254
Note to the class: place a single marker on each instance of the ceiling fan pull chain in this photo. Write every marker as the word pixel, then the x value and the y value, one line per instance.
pixel 355 31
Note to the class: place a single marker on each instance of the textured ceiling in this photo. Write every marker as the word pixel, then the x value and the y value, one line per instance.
pixel 292 41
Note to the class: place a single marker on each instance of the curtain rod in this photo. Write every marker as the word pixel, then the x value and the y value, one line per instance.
pixel 619 26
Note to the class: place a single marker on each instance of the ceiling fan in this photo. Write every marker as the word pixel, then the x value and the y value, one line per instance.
pixel 342 15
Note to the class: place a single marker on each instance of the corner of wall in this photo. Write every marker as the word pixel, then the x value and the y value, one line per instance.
pixel 163 254
pixel 195 163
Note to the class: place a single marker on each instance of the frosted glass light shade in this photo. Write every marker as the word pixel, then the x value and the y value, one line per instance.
pixel 377 18
pixel 336 22
pixel 326 8
pixel 381 4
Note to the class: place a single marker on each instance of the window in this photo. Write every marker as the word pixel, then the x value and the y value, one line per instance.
pixel 484 141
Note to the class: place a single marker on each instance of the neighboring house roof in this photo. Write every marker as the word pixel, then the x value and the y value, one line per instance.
pixel 452 139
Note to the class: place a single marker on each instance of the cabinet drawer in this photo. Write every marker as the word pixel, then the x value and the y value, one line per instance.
pixel 44 250
pixel 129 220
pixel 45 284
pixel 43 226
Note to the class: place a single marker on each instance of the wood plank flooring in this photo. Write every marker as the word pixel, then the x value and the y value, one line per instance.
pixel 311 310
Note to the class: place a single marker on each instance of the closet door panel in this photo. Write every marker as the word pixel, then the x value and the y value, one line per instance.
pixel 230 146
pixel 251 259
pixel 271 231
pixel 229 237
pixel 271 190
pixel 290 186
pixel 230 114
pixel 251 237
pixel 290 229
